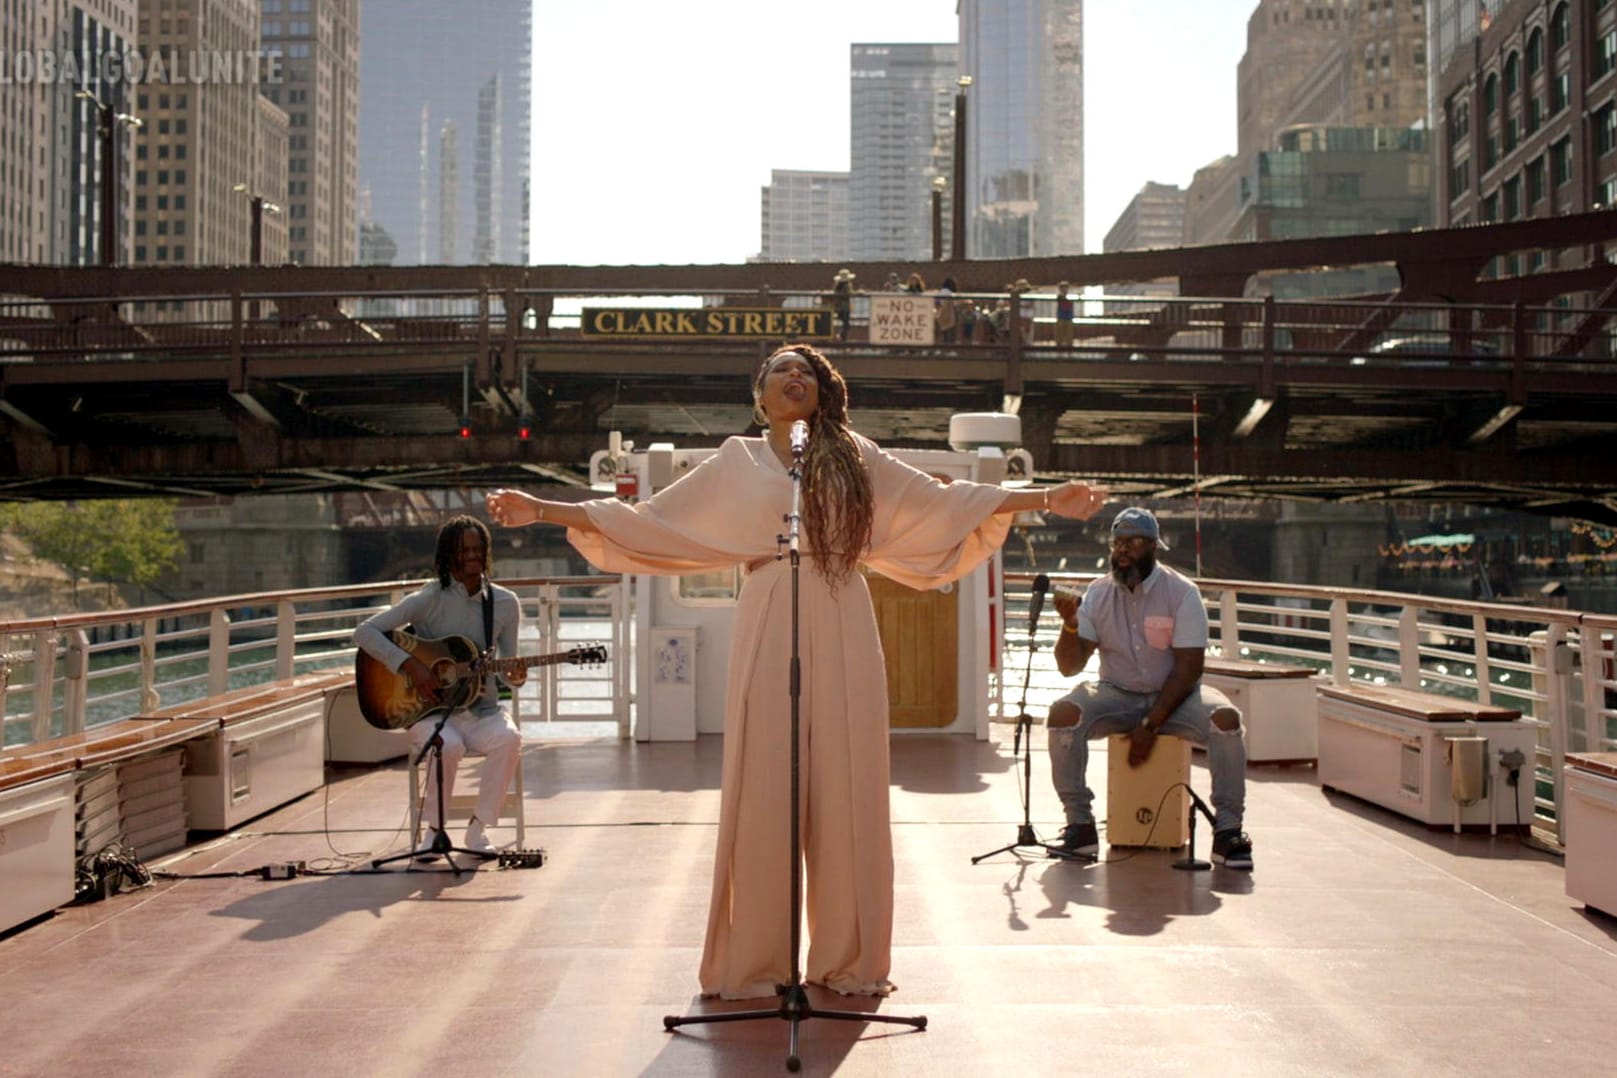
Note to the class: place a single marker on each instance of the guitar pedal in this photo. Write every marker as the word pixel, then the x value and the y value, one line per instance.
pixel 521 859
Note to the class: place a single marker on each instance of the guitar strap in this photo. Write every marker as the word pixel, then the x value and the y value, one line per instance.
pixel 488 614
pixel 488 623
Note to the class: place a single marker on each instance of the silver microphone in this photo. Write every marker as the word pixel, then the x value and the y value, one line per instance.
pixel 799 437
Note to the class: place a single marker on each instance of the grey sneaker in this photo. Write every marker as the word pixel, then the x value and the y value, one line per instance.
pixel 1079 840
pixel 1232 849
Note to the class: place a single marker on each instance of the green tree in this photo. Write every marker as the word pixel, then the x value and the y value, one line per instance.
pixel 130 541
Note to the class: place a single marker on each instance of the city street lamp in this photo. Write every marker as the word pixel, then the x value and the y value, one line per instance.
pixel 261 206
pixel 107 121
pixel 938 184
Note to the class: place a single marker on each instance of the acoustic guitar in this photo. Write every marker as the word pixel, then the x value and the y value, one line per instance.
pixel 389 701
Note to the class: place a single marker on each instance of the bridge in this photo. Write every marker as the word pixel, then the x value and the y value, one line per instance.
pixel 1470 382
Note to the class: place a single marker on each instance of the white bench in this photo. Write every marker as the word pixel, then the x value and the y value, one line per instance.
pixel 1591 829
pixel 36 845
pixel 268 748
pixel 1391 746
pixel 40 790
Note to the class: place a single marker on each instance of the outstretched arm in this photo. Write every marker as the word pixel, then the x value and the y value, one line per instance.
pixel 514 509
pixel 1071 499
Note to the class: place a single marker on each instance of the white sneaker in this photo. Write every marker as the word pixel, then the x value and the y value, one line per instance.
pixel 475 839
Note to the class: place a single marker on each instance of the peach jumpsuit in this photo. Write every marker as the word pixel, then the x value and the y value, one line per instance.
pixel 729 510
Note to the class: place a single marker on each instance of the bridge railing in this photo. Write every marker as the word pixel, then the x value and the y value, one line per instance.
pixel 1365 333
pixel 62 675
pixel 1558 667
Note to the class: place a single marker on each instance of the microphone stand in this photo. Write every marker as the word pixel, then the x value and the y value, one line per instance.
pixel 440 834
pixel 1189 863
pixel 1026 837
pixel 794 1005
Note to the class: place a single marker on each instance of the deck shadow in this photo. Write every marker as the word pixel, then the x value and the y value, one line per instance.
pixel 297 909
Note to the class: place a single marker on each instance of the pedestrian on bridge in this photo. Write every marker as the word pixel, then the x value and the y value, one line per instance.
pixel 947 313
pixel 842 300
pixel 861 506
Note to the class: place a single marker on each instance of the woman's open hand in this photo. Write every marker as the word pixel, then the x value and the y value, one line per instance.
pixel 513 508
pixel 1077 499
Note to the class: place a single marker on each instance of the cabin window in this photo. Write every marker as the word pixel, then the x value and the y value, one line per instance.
pixel 717 588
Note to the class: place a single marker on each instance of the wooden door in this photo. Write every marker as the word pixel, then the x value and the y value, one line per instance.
pixel 919 634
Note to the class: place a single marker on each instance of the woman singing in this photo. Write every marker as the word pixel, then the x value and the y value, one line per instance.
pixel 859 506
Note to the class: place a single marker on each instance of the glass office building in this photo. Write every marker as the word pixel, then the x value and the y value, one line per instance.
pixel 444 102
pixel 1025 130
pixel 901 106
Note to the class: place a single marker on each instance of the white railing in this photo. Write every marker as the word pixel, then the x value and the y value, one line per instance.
pixel 1556 666
pixel 63 675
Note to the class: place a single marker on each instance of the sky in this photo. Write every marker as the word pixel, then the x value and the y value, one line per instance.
pixel 656 124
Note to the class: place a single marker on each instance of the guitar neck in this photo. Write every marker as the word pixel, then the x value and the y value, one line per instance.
pixel 512 665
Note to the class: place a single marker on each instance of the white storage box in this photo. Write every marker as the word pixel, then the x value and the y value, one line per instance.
pixel 36 848
pixel 352 740
pixel 1591 829
pixel 1279 708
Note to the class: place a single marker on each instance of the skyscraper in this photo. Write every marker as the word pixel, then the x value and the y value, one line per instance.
pixel 1025 127
pixel 199 133
pixel 1527 121
pixel 804 217
pixel 902 125
pixel 444 105
pixel 1154 217
pixel 318 42
pixel 1286 42
pixel 51 202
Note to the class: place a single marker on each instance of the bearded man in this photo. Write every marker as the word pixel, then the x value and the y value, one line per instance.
pixel 1150 627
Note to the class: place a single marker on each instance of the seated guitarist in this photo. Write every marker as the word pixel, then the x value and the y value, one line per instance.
pixel 453 605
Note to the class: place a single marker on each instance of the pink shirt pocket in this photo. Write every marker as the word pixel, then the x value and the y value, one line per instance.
pixel 1159 632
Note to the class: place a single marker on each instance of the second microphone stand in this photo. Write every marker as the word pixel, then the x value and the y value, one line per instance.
pixel 1026 837
pixel 794 1004
pixel 1190 863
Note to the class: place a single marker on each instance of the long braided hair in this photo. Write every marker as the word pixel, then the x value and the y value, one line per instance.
pixel 839 503
pixel 448 551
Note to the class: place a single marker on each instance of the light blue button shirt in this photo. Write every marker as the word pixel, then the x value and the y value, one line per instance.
pixel 1136 631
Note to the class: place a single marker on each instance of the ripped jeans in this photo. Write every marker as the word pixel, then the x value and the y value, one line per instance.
pixel 1106 709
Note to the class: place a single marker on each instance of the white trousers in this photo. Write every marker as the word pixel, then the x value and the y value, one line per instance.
pixel 490 733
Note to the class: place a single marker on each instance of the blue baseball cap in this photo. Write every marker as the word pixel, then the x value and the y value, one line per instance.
pixel 1136 521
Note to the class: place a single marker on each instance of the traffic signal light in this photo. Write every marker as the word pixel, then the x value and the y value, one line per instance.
pixel 524 430
pixel 465 427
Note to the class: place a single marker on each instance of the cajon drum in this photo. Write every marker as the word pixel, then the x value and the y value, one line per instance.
pixel 1134 795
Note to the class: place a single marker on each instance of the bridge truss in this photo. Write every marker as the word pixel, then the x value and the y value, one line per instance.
pixel 1468 383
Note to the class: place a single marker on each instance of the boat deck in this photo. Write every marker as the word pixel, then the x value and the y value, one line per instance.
pixel 1362 944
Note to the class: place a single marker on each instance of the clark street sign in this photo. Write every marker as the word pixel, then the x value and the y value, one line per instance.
pixel 765 322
